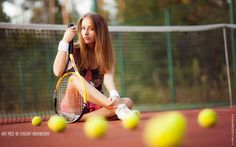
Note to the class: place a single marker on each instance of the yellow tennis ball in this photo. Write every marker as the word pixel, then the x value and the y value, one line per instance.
pixel 132 121
pixel 95 127
pixel 165 130
pixel 207 118
pixel 36 121
pixel 57 123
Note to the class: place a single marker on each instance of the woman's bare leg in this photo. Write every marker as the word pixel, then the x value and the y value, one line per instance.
pixel 71 99
pixel 107 112
pixel 93 95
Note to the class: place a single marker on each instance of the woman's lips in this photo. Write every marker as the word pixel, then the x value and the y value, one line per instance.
pixel 86 38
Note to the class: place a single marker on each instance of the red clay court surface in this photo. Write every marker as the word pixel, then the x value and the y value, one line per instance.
pixel 25 135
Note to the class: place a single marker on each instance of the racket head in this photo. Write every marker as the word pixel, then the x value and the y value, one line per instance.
pixel 68 102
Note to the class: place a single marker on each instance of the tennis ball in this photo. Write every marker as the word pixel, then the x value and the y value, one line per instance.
pixel 57 123
pixel 36 121
pixel 207 118
pixel 95 127
pixel 165 130
pixel 132 121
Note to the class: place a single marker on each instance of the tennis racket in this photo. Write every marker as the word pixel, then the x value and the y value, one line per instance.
pixel 68 101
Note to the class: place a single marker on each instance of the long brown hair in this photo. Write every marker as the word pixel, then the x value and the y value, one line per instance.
pixel 103 52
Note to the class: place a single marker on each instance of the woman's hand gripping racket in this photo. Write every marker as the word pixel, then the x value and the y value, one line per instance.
pixel 68 101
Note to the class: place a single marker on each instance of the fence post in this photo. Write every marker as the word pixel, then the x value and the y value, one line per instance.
pixel 121 65
pixel 227 67
pixel 233 37
pixel 94 8
pixel 170 56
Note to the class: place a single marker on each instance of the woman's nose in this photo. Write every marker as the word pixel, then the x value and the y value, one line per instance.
pixel 86 32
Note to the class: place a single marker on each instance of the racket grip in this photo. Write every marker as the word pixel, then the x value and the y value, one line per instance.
pixel 71 42
pixel 70 25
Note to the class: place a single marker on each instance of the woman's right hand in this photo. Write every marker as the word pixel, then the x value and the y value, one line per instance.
pixel 69 34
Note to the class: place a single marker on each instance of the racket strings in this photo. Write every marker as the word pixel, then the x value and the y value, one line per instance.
pixel 70 101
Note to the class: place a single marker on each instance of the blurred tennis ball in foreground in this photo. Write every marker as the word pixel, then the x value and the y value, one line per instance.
pixel 36 121
pixel 95 127
pixel 165 130
pixel 207 118
pixel 57 123
pixel 132 121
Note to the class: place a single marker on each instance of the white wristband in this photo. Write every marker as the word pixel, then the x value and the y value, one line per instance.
pixel 63 46
pixel 114 93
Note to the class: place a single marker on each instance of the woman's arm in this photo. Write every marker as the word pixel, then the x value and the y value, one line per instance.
pixel 60 63
pixel 110 84
pixel 62 54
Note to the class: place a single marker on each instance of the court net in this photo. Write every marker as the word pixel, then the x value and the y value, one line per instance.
pixel 159 67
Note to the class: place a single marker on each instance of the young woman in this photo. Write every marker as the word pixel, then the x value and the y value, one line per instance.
pixel 95 60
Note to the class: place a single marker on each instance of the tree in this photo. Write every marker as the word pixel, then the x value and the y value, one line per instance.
pixel 3 16
pixel 48 12
pixel 184 12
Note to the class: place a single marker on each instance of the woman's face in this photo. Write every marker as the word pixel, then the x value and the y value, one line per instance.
pixel 88 31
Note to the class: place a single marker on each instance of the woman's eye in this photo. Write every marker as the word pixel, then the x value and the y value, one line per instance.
pixel 89 29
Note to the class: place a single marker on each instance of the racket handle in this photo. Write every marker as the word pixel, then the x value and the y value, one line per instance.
pixel 70 25
pixel 71 42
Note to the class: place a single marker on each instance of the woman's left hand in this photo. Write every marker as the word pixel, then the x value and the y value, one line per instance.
pixel 115 101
